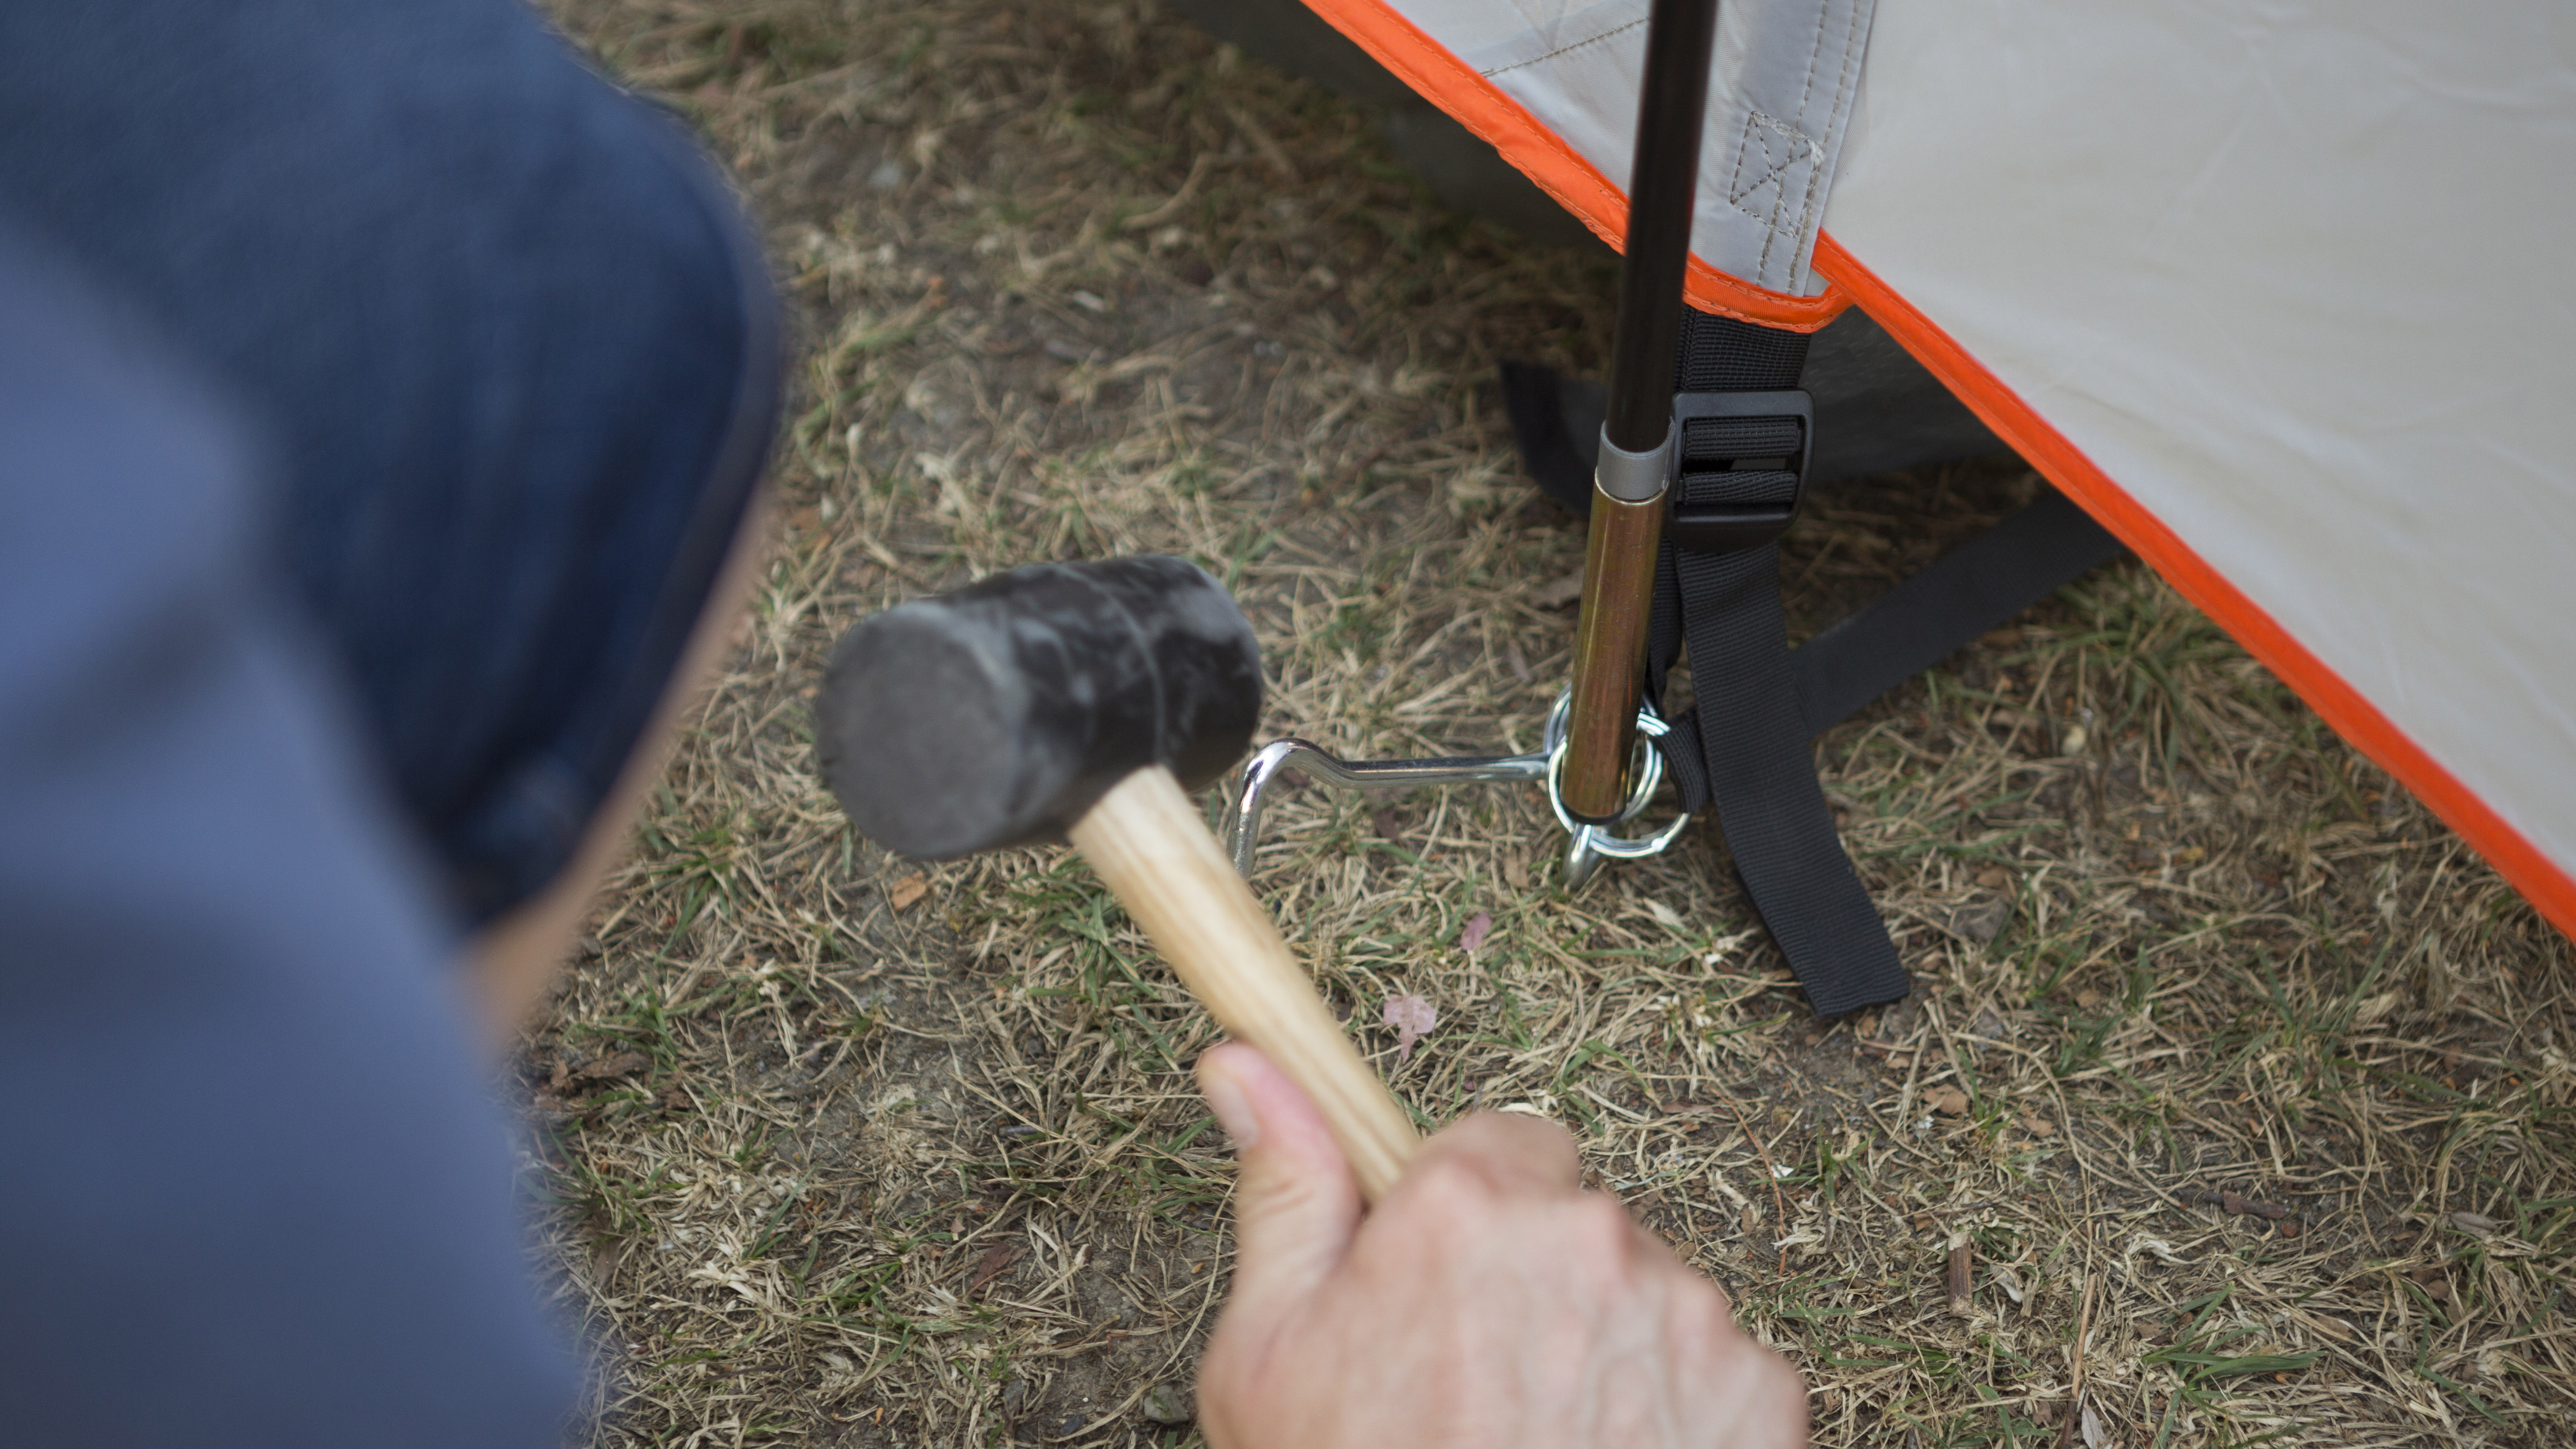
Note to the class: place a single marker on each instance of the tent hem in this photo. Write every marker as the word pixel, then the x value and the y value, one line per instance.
pixel 2540 880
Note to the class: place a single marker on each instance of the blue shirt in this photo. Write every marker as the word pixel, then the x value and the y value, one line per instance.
pixel 254 1192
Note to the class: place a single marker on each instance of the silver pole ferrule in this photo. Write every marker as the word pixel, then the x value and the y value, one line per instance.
pixel 1634 477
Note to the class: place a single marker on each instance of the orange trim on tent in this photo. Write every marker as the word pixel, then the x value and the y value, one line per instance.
pixel 1478 104
pixel 2540 879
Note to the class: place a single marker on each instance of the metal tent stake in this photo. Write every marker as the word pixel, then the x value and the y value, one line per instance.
pixel 1586 846
pixel 1598 765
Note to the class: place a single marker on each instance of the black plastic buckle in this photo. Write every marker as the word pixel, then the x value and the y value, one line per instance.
pixel 1731 527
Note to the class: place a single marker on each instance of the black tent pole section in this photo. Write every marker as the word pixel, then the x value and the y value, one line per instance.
pixel 1662 185
pixel 1636 459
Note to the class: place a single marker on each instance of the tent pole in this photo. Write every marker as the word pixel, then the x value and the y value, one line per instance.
pixel 1636 437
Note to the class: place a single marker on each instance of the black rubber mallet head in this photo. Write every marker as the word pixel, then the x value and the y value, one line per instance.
pixel 998 714
pixel 1074 701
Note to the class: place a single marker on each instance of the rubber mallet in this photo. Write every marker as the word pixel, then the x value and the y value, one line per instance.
pixel 1084 701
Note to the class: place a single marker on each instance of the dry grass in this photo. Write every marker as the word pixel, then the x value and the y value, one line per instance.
pixel 853 1153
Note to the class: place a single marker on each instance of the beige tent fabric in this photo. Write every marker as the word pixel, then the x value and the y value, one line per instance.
pixel 1785 76
pixel 2289 276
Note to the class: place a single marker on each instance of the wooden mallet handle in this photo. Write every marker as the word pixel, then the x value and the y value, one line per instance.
pixel 987 717
pixel 1156 855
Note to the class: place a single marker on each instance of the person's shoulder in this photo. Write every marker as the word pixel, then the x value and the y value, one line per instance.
pixel 275 1202
pixel 89 392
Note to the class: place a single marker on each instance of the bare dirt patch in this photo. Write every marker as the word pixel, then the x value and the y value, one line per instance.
pixel 2233 1105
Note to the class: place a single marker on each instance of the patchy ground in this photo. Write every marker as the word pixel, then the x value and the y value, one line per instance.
pixel 2233 1107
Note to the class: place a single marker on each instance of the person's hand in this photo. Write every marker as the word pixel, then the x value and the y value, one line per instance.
pixel 1488 1301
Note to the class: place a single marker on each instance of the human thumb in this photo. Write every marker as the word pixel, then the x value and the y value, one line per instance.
pixel 1295 1202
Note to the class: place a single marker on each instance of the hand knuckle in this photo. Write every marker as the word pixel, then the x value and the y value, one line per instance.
pixel 1602 1229
pixel 1459 1189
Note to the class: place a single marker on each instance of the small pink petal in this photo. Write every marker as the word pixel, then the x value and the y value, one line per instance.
pixel 1479 926
pixel 1412 1018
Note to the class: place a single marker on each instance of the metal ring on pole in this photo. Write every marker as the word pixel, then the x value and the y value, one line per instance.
pixel 1587 846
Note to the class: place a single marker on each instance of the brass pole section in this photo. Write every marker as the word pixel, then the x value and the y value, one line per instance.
pixel 1610 653
pixel 1637 442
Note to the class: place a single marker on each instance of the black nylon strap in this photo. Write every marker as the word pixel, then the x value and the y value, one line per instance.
pixel 1743 746
pixel 1720 354
pixel 1740 437
pixel 1763 782
pixel 1977 586
pixel 1560 463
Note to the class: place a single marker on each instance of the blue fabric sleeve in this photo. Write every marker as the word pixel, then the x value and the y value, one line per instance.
pixel 254 1192
pixel 506 334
